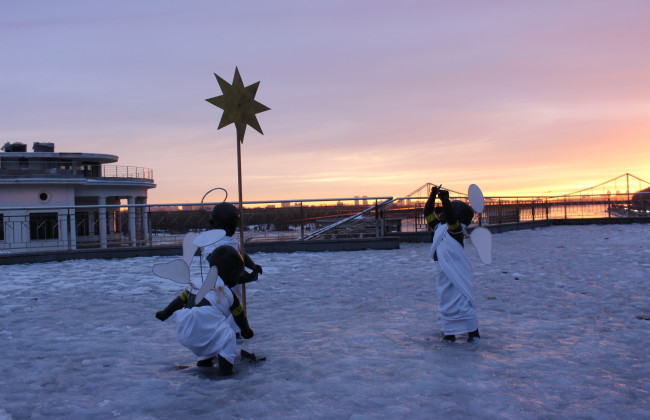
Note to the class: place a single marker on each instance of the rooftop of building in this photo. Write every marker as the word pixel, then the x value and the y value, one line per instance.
pixel 45 151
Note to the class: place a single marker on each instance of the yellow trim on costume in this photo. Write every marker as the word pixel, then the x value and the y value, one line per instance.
pixel 453 227
pixel 185 295
pixel 430 217
pixel 237 311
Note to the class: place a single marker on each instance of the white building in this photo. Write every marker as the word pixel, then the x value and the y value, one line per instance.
pixel 52 200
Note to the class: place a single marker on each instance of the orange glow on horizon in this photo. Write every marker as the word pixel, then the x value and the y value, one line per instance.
pixel 490 189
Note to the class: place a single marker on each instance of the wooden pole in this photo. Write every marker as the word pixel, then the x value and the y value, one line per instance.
pixel 241 217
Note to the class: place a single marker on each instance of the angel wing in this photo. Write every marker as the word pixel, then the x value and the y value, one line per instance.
pixel 208 237
pixel 480 236
pixel 176 270
pixel 476 199
pixel 482 241
pixel 189 249
pixel 208 284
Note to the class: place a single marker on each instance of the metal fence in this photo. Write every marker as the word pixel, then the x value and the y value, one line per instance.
pixel 35 229
pixel 65 168
pixel 121 171
pixel 514 210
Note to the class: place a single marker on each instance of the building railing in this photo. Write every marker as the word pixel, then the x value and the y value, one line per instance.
pixel 46 228
pixel 35 168
pixel 514 210
pixel 119 171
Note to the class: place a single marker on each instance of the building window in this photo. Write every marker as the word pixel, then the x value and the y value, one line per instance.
pixel 43 226
pixel 2 228
pixel 87 223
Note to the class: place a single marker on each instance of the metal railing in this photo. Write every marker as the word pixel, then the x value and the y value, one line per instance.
pixel 515 210
pixel 282 220
pixel 119 171
pixel 49 168
pixel 45 228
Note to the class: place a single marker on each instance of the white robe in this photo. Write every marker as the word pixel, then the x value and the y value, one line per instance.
pixel 230 241
pixel 205 329
pixel 455 284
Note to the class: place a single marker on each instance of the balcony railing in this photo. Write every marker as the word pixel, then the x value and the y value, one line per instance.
pixel 35 168
pixel 67 228
pixel 118 171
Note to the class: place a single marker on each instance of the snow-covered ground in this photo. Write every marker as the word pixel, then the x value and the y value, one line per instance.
pixel 346 335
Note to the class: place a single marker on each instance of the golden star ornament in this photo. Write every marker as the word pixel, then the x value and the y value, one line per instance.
pixel 238 104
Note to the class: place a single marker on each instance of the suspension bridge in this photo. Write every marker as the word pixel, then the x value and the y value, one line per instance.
pixel 622 184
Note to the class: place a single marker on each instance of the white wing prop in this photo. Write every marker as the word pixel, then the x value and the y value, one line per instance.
pixel 208 284
pixel 176 270
pixel 481 237
pixel 476 199
pixel 482 240
pixel 189 249
pixel 208 237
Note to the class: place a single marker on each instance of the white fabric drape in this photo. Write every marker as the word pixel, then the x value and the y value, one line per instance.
pixel 205 329
pixel 454 284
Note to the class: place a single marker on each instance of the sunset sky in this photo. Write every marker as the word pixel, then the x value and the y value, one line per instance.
pixel 370 98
